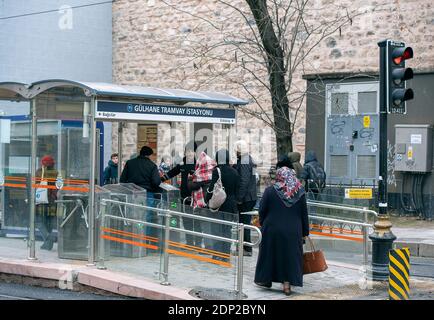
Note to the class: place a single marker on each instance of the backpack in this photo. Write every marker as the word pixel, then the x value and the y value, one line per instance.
pixel 317 176
pixel 218 194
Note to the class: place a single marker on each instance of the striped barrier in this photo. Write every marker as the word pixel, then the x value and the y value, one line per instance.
pixel 399 274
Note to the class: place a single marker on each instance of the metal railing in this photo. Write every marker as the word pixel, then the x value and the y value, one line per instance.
pixel 167 214
pixel 365 225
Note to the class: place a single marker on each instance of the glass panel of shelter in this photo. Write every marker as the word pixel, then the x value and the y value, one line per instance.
pixel 15 179
pixel 63 159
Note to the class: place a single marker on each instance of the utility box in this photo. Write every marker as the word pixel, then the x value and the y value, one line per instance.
pixel 413 148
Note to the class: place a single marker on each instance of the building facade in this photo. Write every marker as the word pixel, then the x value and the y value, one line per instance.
pixel 159 43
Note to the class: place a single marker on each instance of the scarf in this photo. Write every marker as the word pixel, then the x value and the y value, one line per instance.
pixel 202 173
pixel 288 187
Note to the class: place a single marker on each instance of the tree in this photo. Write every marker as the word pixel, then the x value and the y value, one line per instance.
pixel 273 49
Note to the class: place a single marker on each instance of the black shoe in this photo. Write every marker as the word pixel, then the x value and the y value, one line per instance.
pixel 47 245
pixel 247 253
pixel 264 285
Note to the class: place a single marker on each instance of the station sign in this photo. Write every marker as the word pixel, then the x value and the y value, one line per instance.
pixel 110 110
pixel 358 193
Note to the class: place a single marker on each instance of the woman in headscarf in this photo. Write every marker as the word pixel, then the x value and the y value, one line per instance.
pixel 284 223
pixel 230 182
pixel 200 181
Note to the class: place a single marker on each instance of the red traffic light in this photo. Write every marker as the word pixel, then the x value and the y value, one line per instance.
pixel 401 54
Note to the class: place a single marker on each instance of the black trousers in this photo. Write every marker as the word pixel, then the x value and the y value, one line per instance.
pixel 246 219
pixel 192 225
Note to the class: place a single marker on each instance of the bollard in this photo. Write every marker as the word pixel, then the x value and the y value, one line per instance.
pixel 399 274
pixel 240 261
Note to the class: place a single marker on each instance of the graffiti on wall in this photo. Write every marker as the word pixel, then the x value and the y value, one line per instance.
pixel 391 179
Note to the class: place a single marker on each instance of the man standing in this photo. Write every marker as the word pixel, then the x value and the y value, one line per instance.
pixel 247 194
pixel 143 172
pixel 111 171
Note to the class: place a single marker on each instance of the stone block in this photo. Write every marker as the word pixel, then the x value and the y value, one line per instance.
pixel 426 250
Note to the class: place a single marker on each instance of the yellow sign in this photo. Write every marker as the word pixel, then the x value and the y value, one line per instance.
pixel 362 193
pixel 410 153
pixel 366 121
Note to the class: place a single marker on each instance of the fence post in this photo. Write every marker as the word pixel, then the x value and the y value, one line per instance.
pixel 165 272
pixel 240 261
pixel 365 241
pixel 101 254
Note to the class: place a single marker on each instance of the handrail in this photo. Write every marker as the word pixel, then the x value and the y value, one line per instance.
pixel 365 225
pixel 340 207
pixel 188 215
pixel 167 214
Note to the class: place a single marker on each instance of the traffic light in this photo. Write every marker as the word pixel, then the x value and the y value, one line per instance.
pixel 397 92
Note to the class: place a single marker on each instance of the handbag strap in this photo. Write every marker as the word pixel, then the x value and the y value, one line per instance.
pixel 312 246
pixel 220 176
pixel 42 177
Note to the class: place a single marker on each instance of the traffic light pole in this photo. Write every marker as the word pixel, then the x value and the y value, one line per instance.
pixel 382 238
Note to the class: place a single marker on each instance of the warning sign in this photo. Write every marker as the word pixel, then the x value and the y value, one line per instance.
pixel 361 193
pixel 410 153
pixel 366 121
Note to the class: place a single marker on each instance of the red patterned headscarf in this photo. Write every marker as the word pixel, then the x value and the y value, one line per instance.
pixel 288 187
pixel 202 173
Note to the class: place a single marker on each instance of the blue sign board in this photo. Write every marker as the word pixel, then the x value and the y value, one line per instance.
pixel 152 112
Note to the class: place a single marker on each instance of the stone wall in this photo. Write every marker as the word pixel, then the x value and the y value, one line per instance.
pixel 154 45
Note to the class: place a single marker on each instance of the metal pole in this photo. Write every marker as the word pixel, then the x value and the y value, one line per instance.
pixel 165 272
pixel 365 243
pixel 120 141
pixel 91 207
pixel 382 237
pixel 31 244
pixel 101 253
pixel 240 262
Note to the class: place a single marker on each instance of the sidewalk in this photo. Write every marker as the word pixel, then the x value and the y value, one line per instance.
pixel 136 278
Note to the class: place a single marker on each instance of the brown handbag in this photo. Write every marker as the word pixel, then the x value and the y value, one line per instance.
pixel 314 260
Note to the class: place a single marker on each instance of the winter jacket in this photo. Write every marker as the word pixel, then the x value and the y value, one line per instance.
pixel 294 157
pixel 311 169
pixel 111 173
pixel 246 170
pixel 184 169
pixel 142 172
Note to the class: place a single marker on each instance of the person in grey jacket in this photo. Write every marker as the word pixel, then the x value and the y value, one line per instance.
pixel 247 194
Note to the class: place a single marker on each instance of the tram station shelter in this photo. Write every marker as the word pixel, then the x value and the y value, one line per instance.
pixel 64 124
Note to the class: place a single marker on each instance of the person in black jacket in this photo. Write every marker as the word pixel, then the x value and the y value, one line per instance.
pixel 111 171
pixel 186 169
pixel 143 172
pixel 247 194
pixel 230 181
pixel 313 174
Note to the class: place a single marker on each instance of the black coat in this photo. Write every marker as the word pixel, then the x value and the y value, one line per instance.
pixel 281 250
pixel 184 169
pixel 230 181
pixel 111 173
pixel 142 172
pixel 245 167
